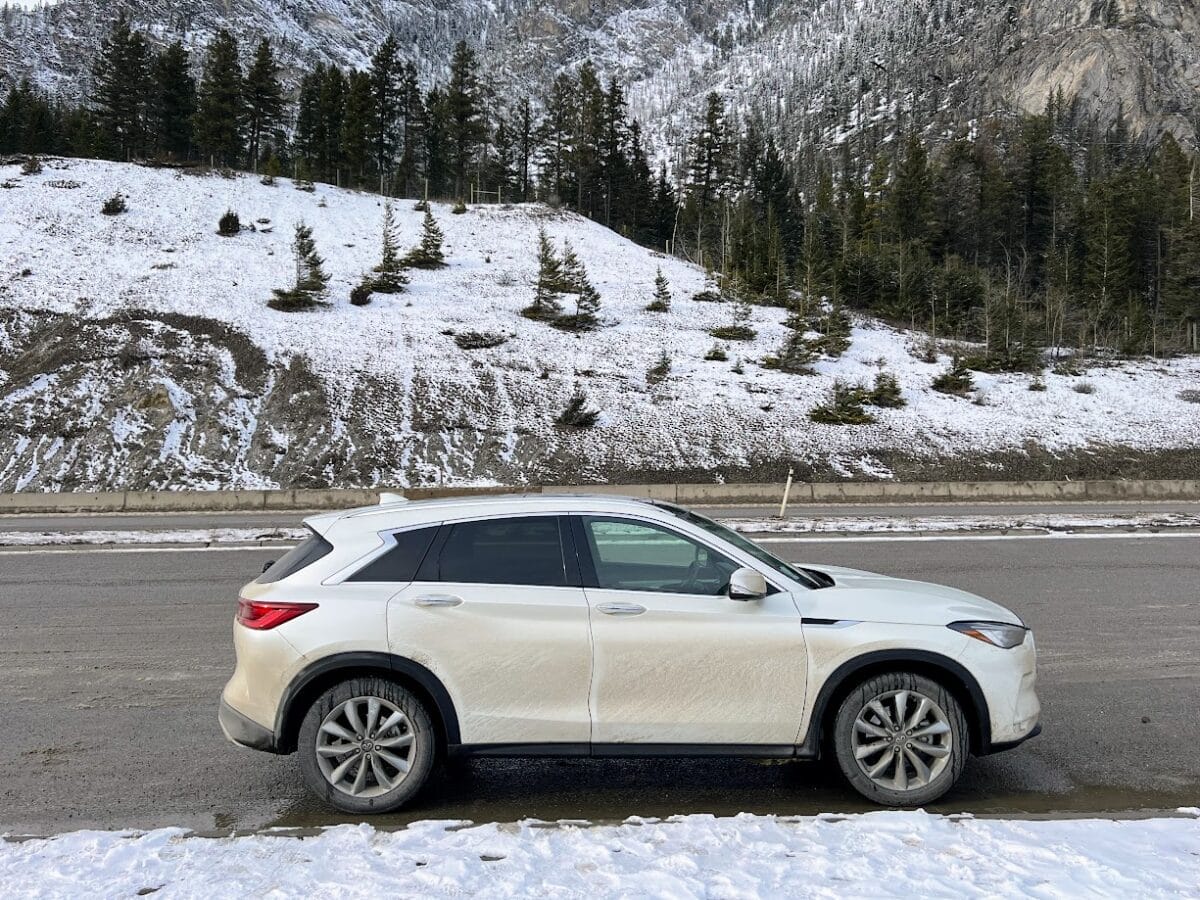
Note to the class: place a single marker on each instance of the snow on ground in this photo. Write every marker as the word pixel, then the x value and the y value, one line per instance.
pixel 918 524
pixel 881 854
pixel 58 253
pixel 831 525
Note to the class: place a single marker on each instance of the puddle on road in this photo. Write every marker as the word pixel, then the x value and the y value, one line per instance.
pixel 595 792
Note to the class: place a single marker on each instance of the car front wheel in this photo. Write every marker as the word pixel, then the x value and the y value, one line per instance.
pixel 901 739
pixel 366 746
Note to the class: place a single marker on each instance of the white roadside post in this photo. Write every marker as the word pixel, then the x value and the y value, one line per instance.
pixel 787 490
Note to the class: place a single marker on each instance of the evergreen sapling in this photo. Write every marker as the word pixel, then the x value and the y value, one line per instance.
pixel 312 282
pixel 427 254
pixel 662 294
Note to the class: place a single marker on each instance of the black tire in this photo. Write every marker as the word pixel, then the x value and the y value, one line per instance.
pixel 957 741
pixel 421 754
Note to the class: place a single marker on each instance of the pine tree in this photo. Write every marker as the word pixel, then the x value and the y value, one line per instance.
pixel 662 294
pixel 356 124
pixel 264 100
pixel 385 73
pixel 220 120
pixel 122 88
pixel 465 127
pixel 389 274
pixel 707 151
pixel 556 137
pixel 174 102
pixel 427 254
pixel 312 283
pixel 587 299
pixel 546 305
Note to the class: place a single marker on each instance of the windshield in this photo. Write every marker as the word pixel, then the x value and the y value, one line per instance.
pixel 742 543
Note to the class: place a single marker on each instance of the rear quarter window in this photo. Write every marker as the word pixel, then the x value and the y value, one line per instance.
pixel 299 557
pixel 399 564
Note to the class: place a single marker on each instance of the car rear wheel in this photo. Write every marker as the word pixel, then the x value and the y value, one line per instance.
pixel 366 746
pixel 901 739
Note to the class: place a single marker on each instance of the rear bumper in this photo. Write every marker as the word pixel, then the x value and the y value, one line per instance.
pixel 245 732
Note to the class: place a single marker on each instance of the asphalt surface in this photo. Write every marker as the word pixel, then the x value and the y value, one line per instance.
pixel 112 662
pixel 289 519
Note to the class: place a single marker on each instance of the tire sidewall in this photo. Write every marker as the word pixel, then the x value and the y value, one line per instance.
pixel 843 744
pixel 422 760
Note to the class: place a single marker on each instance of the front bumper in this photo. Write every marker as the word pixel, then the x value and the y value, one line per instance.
pixel 245 732
pixel 1011 745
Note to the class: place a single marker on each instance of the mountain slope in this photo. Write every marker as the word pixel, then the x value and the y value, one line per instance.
pixel 814 70
pixel 137 351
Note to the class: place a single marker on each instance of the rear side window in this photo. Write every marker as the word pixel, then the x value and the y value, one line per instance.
pixel 299 557
pixel 399 564
pixel 525 551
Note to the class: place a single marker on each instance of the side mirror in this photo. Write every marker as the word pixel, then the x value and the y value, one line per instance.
pixel 746 584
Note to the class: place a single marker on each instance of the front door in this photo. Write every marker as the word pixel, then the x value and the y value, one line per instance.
pixel 675 661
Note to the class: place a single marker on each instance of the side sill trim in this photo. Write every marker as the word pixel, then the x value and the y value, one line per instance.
pixel 633 751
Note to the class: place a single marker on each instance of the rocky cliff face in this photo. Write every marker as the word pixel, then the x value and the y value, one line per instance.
pixel 813 69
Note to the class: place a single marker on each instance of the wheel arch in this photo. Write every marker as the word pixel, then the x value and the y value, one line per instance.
pixel 952 675
pixel 319 676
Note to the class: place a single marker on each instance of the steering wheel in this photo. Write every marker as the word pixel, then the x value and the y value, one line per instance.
pixel 692 578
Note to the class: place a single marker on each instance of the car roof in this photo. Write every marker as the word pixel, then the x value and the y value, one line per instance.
pixel 403 513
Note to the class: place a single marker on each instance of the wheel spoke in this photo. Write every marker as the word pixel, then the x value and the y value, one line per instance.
pixel 900 782
pixel 880 767
pixel 396 762
pixel 337 731
pixel 360 780
pixel 866 727
pixel 871 749
pixel 884 716
pixel 921 769
pixel 338 774
pixel 353 719
pixel 372 714
pixel 336 749
pixel 396 743
pixel 933 750
pixel 395 719
pixel 931 730
pixel 915 719
pixel 900 702
pixel 380 777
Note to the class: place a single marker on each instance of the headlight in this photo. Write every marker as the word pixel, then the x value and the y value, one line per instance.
pixel 998 634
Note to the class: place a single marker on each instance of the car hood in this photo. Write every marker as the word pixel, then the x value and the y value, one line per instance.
pixel 868 597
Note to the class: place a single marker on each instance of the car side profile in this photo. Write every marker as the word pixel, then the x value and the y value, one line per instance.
pixel 405 633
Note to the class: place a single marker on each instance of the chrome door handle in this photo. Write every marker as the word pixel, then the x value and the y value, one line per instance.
pixel 432 600
pixel 621 609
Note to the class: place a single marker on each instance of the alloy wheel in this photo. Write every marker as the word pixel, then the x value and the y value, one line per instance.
pixel 902 740
pixel 365 747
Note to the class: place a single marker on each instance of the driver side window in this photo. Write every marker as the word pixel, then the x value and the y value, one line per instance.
pixel 638 556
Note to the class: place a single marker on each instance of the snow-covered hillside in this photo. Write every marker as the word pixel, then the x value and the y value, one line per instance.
pixel 138 351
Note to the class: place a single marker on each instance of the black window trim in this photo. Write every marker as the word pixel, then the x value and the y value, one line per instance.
pixel 427 572
pixel 588 564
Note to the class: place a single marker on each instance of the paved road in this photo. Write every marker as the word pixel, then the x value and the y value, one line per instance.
pixel 266 520
pixel 112 661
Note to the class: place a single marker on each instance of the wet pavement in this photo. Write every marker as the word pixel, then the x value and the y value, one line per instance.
pixel 112 665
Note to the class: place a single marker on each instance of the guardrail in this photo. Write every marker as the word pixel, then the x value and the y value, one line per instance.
pixel 687 494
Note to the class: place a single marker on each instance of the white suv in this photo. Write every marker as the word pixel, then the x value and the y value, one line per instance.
pixel 600 626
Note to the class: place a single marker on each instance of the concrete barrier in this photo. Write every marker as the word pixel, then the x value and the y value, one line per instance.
pixel 688 494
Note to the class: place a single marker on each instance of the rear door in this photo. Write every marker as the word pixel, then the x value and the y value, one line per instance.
pixel 676 661
pixel 496 612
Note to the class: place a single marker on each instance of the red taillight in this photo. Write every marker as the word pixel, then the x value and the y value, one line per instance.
pixel 262 615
